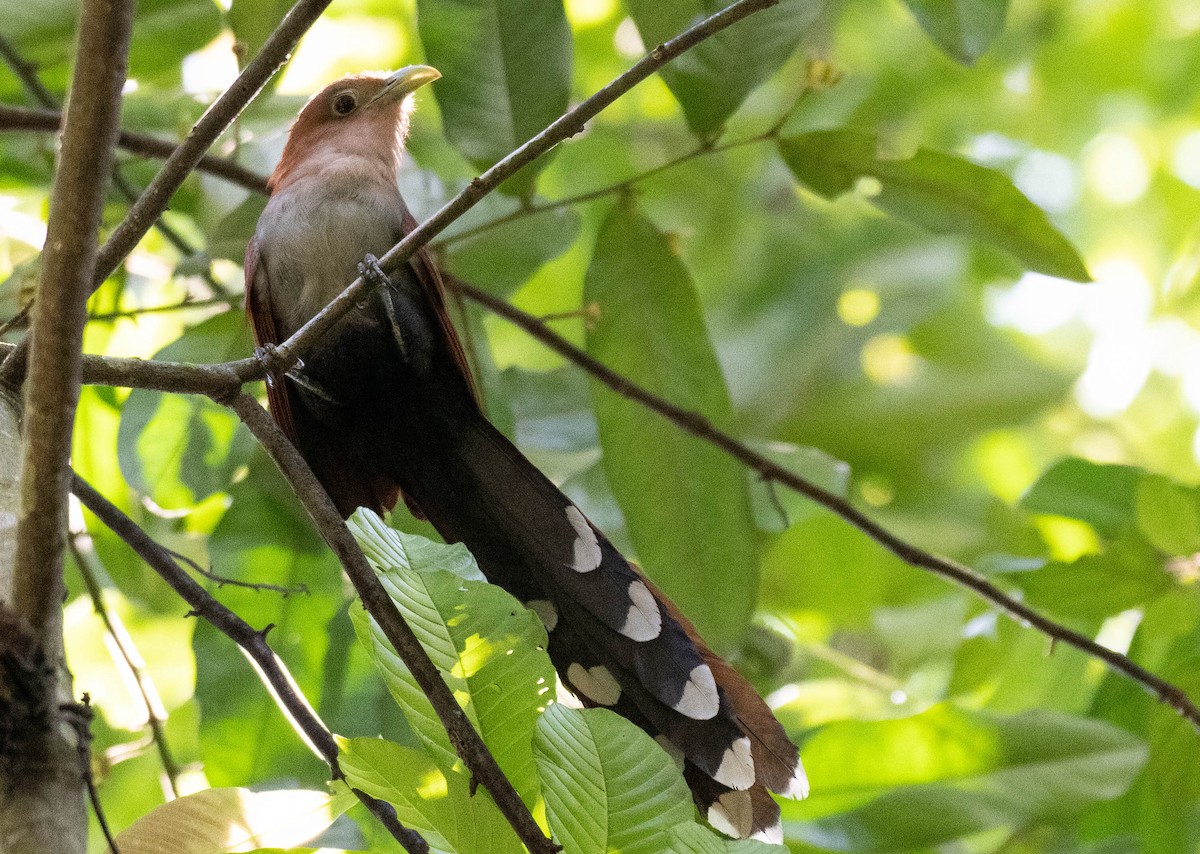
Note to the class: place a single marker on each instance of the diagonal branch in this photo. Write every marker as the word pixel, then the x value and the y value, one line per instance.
pixel 467 742
pixel 700 427
pixel 253 642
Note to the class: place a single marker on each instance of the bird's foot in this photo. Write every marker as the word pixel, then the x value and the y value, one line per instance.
pixel 276 362
pixel 372 273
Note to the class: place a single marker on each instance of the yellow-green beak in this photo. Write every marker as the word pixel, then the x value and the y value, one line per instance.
pixel 404 82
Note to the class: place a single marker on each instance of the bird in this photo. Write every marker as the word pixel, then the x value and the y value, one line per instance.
pixel 384 408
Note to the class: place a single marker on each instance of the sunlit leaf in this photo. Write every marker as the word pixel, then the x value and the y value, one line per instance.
pixel 608 786
pixel 948 773
pixel 434 801
pixel 216 821
pixel 489 648
pixel 178 449
pixel 1104 496
pixel 940 192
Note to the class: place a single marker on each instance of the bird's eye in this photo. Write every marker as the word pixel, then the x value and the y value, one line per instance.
pixel 344 103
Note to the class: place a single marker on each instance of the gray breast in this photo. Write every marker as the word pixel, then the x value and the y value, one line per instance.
pixel 312 236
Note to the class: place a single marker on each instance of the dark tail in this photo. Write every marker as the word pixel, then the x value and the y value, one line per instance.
pixel 615 639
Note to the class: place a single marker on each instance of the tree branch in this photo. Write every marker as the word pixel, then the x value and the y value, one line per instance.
pixel 254 642
pixel 700 427
pixel 60 314
pixel 140 144
pixel 329 523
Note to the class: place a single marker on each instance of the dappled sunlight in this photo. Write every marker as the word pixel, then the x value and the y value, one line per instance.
pixel 1117 168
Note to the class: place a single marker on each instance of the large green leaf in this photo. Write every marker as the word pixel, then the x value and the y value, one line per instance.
pixel 506 67
pixel 965 29
pixel 940 192
pixel 489 648
pixel 432 800
pixel 608 786
pixel 179 449
pixel 216 821
pixel 713 79
pixel 686 502
pixel 1104 496
pixel 947 773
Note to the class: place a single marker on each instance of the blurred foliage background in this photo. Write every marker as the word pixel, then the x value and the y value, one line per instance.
pixel 911 339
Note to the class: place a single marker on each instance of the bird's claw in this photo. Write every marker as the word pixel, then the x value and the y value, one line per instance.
pixel 371 272
pixel 274 360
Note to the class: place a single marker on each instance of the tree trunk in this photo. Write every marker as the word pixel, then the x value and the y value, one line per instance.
pixel 42 807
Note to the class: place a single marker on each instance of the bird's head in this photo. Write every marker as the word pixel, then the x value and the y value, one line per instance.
pixel 357 123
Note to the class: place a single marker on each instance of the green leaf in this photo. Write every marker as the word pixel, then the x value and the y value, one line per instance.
pixel 948 773
pixel 435 802
pixel 215 821
pixel 608 786
pixel 488 647
pixel 940 192
pixel 506 68
pixel 503 258
pixel 179 449
pixel 1128 574
pixel 712 79
pixel 1104 496
pixel 964 29
pixel 687 503
pixel 1169 515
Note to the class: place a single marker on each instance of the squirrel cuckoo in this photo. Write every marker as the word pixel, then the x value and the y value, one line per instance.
pixel 384 406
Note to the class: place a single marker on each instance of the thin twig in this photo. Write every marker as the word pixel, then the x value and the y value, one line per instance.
pixel 222 581
pixel 80 716
pixel 253 642
pixel 700 427
pixel 131 657
pixel 329 523
pixel 567 125
pixel 109 316
pixel 140 144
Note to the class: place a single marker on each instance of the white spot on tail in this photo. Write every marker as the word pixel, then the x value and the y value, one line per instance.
pixel 546 612
pixel 643 621
pixel 700 700
pixel 797 787
pixel 597 684
pixel 732 814
pixel 587 549
pixel 772 835
pixel 673 750
pixel 737 765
